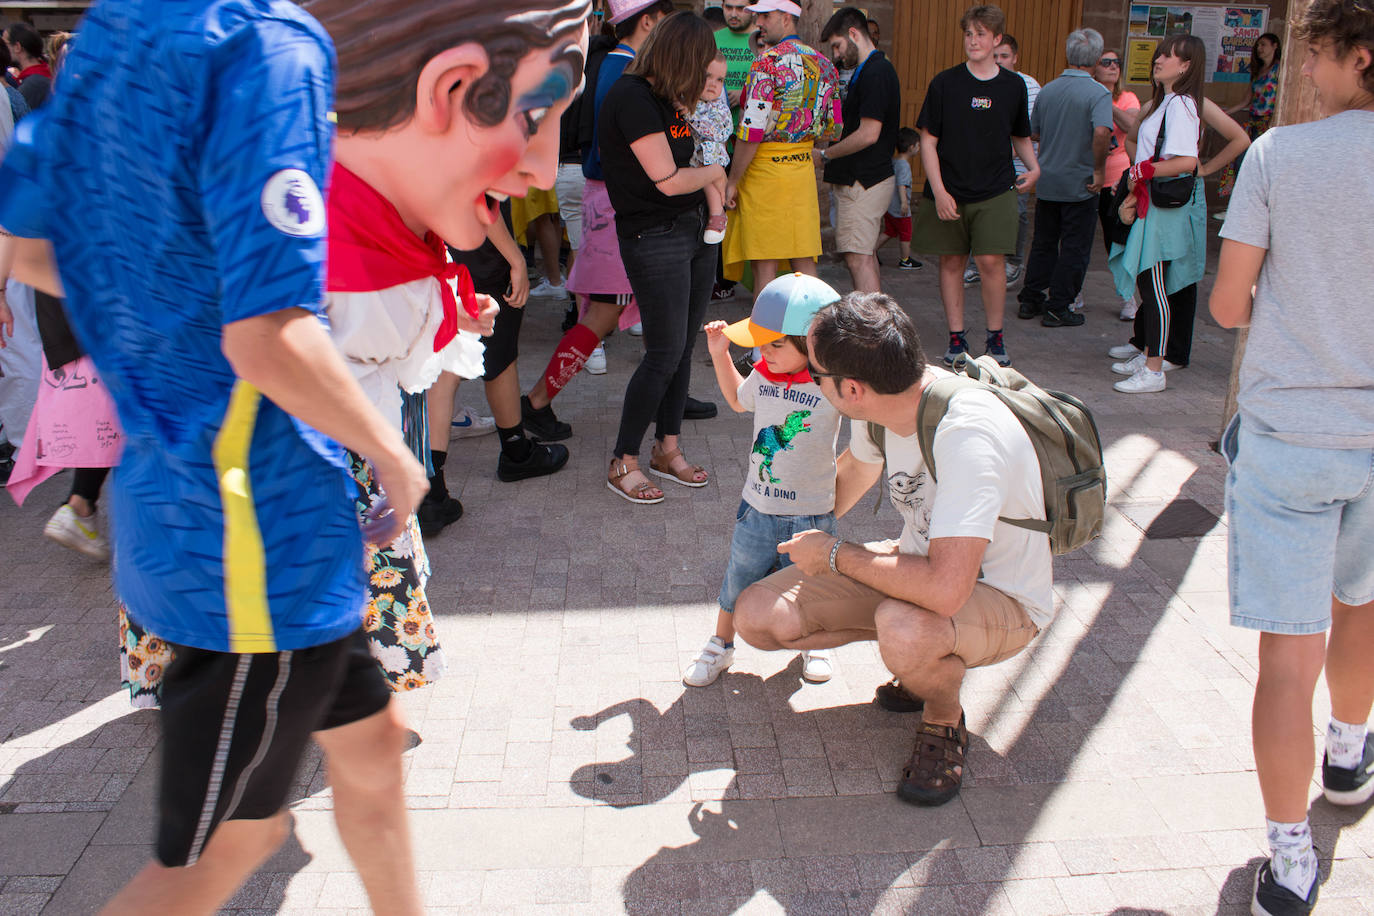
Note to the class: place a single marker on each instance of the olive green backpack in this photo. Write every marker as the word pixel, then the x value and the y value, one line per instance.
pixel 1060 427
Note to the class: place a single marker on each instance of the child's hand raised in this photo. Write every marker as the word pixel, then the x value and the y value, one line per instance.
pixel 716 341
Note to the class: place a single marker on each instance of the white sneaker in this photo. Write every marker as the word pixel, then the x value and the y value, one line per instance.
pixel 971 276
pixel 80 534
pixel 596 363
pixel 546 290
pixel 817 666
pixel 637 329
pixel 1077 304
pixel 467 424
pixel 1142 382
pixel 1129 306
pixel 710 664
pixel 1124 351
pixel 1136 363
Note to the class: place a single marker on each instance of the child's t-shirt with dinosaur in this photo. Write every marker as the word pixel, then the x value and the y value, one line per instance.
pixel 792 463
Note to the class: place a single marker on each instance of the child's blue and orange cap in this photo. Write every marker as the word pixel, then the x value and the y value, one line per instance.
pixel 784 308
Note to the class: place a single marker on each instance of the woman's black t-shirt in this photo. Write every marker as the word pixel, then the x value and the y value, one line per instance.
pixel 630 112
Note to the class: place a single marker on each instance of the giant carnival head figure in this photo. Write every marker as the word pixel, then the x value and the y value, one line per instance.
pixel 448 108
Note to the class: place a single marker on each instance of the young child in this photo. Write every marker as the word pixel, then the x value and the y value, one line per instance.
pixel 897 219
pixel 712 124
pixel 789 486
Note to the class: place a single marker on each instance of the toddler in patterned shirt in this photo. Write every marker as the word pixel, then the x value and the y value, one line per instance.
pixel 712 124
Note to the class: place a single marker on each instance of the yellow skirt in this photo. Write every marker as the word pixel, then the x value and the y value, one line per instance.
pixel 778 216
pixel 527 209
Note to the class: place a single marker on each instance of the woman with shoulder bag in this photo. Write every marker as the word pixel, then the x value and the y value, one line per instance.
pixel 660 211
pixel 1164 255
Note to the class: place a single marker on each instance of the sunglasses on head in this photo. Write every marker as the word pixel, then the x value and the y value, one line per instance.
pixel 1109 62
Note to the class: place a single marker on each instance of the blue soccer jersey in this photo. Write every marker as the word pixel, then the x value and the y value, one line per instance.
pixel 177 171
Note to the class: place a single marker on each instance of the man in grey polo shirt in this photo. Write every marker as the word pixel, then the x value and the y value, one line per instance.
pixel 1073 122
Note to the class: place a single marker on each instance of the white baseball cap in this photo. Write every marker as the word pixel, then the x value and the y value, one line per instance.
pixel 778 6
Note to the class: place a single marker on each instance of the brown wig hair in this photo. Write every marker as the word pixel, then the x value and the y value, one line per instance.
pixel 868 337
pixel 383 45
pixel 989 17
pixel 1348 24
pixel 675 58
pixel 1188 48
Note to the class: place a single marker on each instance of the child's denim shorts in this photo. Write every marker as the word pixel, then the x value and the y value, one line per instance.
pixel 754 546
pixel 1301 529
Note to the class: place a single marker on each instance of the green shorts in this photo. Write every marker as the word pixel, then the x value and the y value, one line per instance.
pixel 987 227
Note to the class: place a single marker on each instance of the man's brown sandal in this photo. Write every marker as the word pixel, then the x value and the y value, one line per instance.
pixel 893 697
pixel 636 494
pixel 661 463
pixel 933 774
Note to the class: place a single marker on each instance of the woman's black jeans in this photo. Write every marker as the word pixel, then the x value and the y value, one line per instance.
pixel 671 271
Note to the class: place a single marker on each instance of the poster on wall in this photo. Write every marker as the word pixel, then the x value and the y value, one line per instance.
pixel 1229 33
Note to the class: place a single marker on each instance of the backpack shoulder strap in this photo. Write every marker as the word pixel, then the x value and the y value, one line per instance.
pixel 878 435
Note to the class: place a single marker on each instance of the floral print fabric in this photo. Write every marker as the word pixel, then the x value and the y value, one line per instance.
pixel 792 96
pixel 397 618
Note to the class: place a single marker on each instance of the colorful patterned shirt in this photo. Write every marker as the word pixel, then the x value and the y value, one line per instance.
pixel 792 96
pixel 1265 92
pixel 234 528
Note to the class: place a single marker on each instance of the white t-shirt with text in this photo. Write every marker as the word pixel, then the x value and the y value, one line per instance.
pixel 792 462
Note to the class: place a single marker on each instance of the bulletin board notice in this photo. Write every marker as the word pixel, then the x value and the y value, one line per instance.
pixel 1229 32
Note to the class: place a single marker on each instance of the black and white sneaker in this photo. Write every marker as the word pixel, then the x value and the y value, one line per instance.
pixel 1354 786
pixel 1273 899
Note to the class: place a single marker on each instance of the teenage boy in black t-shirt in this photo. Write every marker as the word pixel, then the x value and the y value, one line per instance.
pixel 858 167
pixel 973 114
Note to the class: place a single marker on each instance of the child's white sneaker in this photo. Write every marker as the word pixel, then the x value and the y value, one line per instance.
pixel 714 233
pixel 710 664
pixel 817 666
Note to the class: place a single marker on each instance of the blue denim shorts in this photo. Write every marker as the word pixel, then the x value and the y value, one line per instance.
pixel 754 546
pixel 1301 530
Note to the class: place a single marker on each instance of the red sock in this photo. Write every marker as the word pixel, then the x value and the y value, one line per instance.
pixel 569 357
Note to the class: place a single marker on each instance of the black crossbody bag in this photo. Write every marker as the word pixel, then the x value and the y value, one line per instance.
pixel 1169 193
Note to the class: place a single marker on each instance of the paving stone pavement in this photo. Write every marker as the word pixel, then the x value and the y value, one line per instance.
pixel 562 766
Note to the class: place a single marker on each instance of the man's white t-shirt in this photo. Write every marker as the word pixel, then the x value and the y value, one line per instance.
pixel 988 468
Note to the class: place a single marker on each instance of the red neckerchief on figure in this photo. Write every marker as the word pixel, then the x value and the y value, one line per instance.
pixel 371 248
pixel 786 379
pixel 39 69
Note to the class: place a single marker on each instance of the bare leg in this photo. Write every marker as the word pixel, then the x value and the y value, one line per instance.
pixel 1349 675
pixel 547 236
pixel 904 248
pixel 602 318
pixel 764 273
pixel 804 266
pixel 364 759
pixel 917 646
pixel 1281 721
pixel 725 626
pixel 81 506
pixel 952 290
pixel 439 401
pixel 863 271
pixel 233 853
pixel 992 272
pixel 503 395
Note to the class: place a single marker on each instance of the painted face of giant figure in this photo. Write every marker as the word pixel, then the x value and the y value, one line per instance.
pixel 446 108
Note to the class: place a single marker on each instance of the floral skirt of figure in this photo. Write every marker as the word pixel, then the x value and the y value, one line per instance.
pixel 399 625
pixel 397 619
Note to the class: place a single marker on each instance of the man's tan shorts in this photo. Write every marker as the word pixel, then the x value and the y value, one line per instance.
pixel 991 627
pixel 859 214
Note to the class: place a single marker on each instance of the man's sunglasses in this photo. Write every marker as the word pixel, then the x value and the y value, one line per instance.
pixel 817 374
pixel 1109 62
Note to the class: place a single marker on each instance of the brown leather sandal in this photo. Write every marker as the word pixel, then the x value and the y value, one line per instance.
pixel 661 463
pixel 936 769
pixel 636 494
